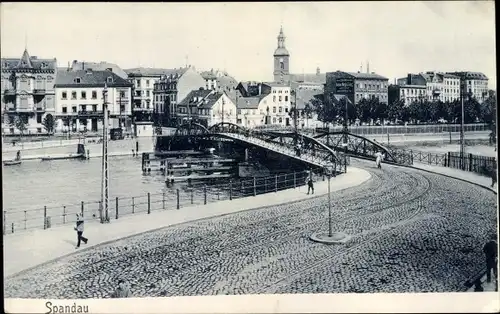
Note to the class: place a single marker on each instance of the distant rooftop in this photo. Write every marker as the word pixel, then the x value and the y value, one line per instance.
pixel 88 78
pixel 138 72
pixel 99 66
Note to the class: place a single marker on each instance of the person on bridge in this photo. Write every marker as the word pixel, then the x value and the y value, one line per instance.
pixel 490 250
pixel 79 230
pixel 310 184
pixel 379 156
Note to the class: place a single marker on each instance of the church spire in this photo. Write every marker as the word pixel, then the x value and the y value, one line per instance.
pixel 281 38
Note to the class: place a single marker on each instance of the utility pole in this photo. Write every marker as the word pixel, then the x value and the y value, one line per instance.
pixel 462 136
pixel 104 213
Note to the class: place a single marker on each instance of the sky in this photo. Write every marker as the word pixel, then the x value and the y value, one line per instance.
pixel 396 38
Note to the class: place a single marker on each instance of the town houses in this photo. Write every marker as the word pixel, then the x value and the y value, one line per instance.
pixel 33 88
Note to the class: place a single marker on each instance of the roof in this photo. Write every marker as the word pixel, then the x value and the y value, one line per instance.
pixel 304 96
pixel 28 62
pixel 281 51
pixel 470 75
pixel 276 84
pixel 210 100
pixel 313 78
pixel 89 79
pixel 248 102
pixel 99 66
pixel 155 71
pixel 367 76
pixel 194 93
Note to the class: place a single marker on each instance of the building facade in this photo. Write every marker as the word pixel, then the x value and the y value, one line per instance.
pixel 99 66
pixel 27 91
pixel 441 86
pixel 80 98
pixel 219 81
pixel 473 84
pixel 207 107
pixel 171 89
pixel 357 86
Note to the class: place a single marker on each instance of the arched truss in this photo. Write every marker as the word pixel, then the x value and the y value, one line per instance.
pixel 356 145
pixel 190 129
pixel 306 142
pixel 227 127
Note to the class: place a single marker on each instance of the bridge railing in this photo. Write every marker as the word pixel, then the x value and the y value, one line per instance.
pixel 47 217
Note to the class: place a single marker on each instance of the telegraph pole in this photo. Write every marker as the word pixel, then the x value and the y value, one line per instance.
pixel 104 208
pixel 462 136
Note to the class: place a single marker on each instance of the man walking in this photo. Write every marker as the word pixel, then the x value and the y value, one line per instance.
pixel 79 230
pixel 490 250
pixel 122 291
pixel 310 185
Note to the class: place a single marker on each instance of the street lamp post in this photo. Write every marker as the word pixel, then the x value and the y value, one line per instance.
pixel 462 135
pixel 104 213
pixel 330 224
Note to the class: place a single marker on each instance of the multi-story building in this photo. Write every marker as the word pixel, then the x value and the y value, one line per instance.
pixel 219 81
pixel 441 86
pixel 357 86
pixel 473 84
pixel 207 107
pixel 27 91
pixel 80 98
pixel 263 103
pixel 409 89
pixel 171 89
pixel 99 66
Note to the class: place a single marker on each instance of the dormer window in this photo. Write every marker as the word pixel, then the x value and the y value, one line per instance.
pixel 44 65
pixel 77 80
pixel 109 79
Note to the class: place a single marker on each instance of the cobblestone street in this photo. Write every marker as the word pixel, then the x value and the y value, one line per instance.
pixel 411 231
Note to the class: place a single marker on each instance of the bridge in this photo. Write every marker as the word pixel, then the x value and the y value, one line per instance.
pixel 329 149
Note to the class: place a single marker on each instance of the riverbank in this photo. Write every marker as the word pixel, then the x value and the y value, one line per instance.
pixel 50 244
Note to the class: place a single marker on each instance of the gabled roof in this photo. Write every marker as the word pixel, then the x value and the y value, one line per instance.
pixel 210 100
pixel 98 66
pixel 89 79
pixel 309 78
pixel 248 102
pixel 197 93
pixel 154 71
pixel 31 63
pixel 470 75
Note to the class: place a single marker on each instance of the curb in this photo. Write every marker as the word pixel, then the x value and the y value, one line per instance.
pixel 159 228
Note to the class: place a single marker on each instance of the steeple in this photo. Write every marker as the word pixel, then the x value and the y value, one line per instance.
pixel 281 50
pixel 25 61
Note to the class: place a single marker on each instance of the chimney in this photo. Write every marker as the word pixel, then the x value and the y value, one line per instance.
pixel 83 65
pixel 408 80
pixel 68 67
pixel 367 67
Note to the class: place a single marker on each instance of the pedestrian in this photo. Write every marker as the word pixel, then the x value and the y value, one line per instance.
pixel 133 153
pixel 18 155
pixel 310 184
pixel 79 230
pixel 122 291
pixel 378 160
pixel 490 250
pixel 137 147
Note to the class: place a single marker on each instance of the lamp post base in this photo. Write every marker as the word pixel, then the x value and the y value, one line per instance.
pixel 336 238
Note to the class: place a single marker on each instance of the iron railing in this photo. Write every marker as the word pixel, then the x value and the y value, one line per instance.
pixel 199 194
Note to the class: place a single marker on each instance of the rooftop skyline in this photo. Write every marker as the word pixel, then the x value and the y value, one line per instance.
pixel 241 37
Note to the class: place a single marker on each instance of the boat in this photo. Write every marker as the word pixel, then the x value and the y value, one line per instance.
pixel 62 157
pixel 11 162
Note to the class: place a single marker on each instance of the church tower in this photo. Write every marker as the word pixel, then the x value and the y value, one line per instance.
pixel 281 60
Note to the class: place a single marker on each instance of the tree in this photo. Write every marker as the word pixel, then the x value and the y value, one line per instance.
pixel 21 125
pixel 324 108
pixel 395 110
pixel 48 123
pixel 308 111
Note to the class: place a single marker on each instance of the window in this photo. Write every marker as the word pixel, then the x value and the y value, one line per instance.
pixel 77 80
pixel 64 95
pixel 274 109
pixel 122 94
pixel 280 109
pixel 84 95
pixel 83 107
pixel 280 120
pixel 94 108
pixel 138 83
pixel 109 79
pixel 147 93
pixel 286 109
pixel 274 98
pixel 279 98
pixel 286 98
pixel 38 118
pixel 74 108
pixel 64 109
pixel 94 94
pixel 73 95
pixel 147 83
pixel 274 120
pixel 39 130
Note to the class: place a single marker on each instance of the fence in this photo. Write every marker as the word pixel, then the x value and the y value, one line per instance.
pixel 46 217
pixel 394 129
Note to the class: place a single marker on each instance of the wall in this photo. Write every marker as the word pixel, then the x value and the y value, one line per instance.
pixel 230 111
pixel 189 81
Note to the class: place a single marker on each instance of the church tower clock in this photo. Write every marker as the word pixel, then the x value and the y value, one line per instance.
pixel 281 60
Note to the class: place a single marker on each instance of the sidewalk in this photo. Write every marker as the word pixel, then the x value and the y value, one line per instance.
pixel 471 177
pixel 28 249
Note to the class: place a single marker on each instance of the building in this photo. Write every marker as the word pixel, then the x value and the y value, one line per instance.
pixel 99 66
pixel 171 89
pixel 206 107
pixel 79 100
pixel 263 103
pixel 307 117
pixel 357 85
pixel 441 86
pixel 281 69
pixel 474 84
pixel 409 89
pixel 27 91
pixel 219 81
